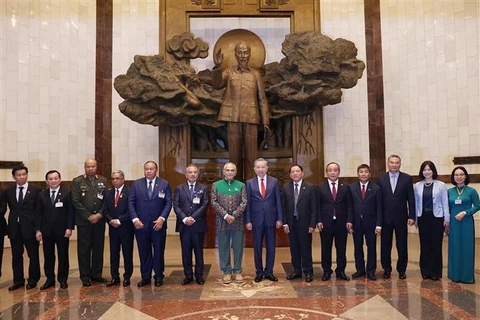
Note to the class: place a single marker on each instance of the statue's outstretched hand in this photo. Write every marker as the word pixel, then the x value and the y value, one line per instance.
pixel 218 58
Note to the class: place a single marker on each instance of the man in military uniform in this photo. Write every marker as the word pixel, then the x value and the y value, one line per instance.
pixel 87 197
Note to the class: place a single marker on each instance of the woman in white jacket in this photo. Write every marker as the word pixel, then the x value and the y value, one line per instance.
pixel 433 219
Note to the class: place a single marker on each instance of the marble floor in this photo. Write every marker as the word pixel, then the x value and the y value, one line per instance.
pixel 359 299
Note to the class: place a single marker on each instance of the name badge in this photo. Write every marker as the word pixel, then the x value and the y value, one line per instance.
pixel 59 204
pixel 196 200
pixel 458 201
pixel 161 195
pixel 100 196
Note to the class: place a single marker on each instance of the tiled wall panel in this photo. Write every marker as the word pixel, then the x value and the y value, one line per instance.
pixel 135 31
pixel 47 84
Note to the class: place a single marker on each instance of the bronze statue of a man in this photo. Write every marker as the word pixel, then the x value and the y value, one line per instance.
pixel 244 106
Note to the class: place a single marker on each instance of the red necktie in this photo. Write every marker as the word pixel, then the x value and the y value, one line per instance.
pixel 262 190
pixel 334 191
pixel 363 191
pixel 117 197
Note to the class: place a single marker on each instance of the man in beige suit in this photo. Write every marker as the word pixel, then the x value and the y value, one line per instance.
pixel 244 105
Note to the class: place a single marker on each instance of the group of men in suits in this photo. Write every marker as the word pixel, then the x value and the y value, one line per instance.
pixel 364 209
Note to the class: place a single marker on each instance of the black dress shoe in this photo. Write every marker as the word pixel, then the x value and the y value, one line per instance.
pixel 425 277
pixel 86 283
pixel 99 279
pixel 343 276
pixel 113 282
pixel 15 286
pixel 200 281
pixel 387 275
pixel 326 276
pixel 435 278
pixel 31 285
pixel 294 276
pixel 258 278
pixel 271 277
pixel 47 285
pixel 158 282
pixel 358 274
pixel 126 282
pixel 144 282
pixel 309 278
pixel 64 285
pixel 402 275
pixel 186 281
pixel 372 276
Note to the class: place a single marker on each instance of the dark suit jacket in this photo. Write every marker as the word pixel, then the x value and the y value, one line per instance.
pixel 369 210
pixel 120 212
pixel 3 210
pixel 306 204
pixel 149 209
pixel 398 206
pixel 26 211
pixel 262 211
pixel 184 207
pixel 53 219
pixel 342 204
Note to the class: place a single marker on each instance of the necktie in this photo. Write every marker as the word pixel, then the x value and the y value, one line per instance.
pixel 150 189
pixel 393 182
pixel 117 197
pixel 52 198
pixel 334 196
pixel 295 193
pixel 20 194
pixel 192 191
pixel 363 191
pixel 262 186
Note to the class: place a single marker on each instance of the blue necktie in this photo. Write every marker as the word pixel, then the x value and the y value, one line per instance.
pixel 52 198
pixel 295 193
pixel 191 191
pixel 150 189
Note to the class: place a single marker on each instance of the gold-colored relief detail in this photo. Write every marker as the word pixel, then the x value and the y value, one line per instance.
pixel 207 4
pixel 272 4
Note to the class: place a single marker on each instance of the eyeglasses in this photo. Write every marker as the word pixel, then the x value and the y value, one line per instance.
pixel 117 178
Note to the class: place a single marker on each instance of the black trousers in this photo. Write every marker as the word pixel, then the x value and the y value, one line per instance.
pixel 192 242
pixel 401 242
pixel 18 243
pixel 430 229
pixel 49 243
pixel 90 244
pixel 124 242
pixel 300 249
pixel 360 233
pixel 338 233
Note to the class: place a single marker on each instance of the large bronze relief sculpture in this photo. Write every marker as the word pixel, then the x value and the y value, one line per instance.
pixel 312 74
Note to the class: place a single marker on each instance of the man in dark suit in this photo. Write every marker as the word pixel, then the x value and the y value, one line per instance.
pixel 88 191
pixel 22 201
pixel 367 222
pixel 264 212
pixel 334 220
pixel 299 207
pixel 120 229
pixel 54 225
pixel 398 211
pixel 3 226
pixel 190 203
pixel 149 204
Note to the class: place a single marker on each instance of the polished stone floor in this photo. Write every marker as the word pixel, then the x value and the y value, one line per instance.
pixel 359 299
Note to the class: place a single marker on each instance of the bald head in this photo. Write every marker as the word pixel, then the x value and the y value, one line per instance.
pixel 90 167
